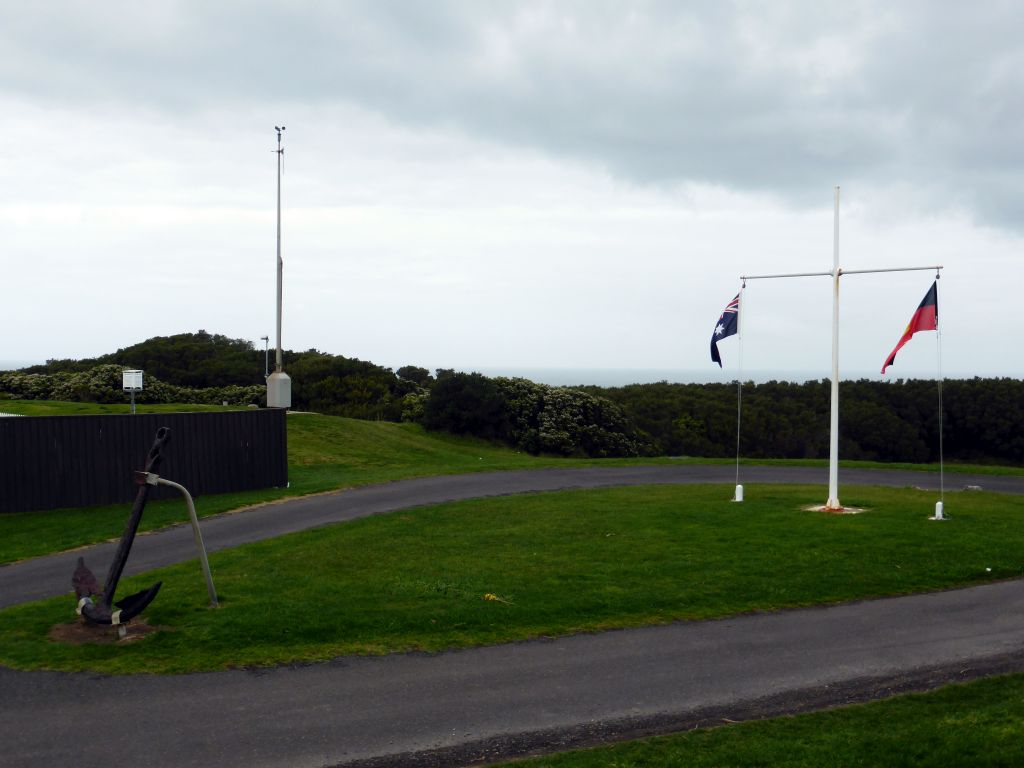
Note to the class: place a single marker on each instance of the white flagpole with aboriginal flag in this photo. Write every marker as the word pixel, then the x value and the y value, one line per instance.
pixel 926 318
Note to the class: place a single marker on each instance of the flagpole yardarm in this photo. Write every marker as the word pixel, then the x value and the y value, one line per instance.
pixel 841 272
pixel 891 269
pixel 791 274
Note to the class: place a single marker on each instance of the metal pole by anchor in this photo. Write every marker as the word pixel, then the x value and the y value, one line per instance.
pixel 200 547
pixel 155 479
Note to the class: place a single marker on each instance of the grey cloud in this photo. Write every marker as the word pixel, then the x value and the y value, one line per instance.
pixel 785 99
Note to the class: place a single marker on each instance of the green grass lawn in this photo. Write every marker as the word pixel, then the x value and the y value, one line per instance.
pixel 324 453
pixel 559 562
pixel 978 724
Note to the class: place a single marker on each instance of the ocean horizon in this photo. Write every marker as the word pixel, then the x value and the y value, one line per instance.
pixel 13 365
pixel 621 377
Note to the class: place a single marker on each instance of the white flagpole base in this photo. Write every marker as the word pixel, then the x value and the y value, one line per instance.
pixel 738 496
pixel 833 505
pixel 938 512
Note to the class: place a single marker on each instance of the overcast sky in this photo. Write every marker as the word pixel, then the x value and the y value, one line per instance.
pixel 500 184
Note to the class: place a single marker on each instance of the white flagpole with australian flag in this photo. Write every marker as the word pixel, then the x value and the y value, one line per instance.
pixel 729 325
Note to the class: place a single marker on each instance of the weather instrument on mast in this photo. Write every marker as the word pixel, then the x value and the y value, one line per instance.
pixel 279 385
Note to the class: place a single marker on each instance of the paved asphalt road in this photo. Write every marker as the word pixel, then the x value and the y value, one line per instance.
pixel 453 708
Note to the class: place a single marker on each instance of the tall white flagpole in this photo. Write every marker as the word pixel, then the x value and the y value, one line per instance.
pixel 833 452
pixel 833 503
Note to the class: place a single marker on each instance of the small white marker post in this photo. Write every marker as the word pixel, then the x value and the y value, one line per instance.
pixel 833 504
pixel 131 381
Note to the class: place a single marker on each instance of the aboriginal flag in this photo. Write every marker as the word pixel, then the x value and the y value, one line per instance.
pixel 926 318
pixel 727 325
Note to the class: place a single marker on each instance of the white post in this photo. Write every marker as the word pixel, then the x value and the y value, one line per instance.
pixel 833 451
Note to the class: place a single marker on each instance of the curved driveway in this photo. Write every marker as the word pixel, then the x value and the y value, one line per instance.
pixel 453 708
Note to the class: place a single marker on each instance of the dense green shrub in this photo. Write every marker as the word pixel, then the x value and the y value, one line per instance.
pixel 198 360
pixel 533 417
pixel 466 404
pixel 545 419
pixel 102 384
pixel 983 419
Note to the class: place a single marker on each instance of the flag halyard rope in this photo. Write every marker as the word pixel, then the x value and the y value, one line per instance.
pixel 739 379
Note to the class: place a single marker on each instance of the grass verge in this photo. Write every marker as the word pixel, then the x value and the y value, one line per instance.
pixel 325 453
pixel 557 563
pixel 975 724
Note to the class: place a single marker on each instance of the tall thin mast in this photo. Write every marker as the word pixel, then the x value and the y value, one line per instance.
pixel 280 262
pixel 279 384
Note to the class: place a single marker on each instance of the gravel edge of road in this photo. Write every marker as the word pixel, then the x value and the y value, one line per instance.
pixel 538 743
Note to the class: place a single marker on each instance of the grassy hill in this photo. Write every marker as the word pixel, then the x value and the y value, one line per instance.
pixel 325 453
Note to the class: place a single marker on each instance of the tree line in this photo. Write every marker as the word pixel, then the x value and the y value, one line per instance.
pixel 982 419
pixel 201 361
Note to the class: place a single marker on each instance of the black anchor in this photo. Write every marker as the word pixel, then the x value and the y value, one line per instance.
pixel 84 582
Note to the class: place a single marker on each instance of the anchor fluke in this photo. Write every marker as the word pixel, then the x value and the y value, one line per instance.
pixel 84 581
pixel 128 607
pixel 133 605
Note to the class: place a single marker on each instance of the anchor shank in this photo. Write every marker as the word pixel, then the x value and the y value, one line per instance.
pixel 153 460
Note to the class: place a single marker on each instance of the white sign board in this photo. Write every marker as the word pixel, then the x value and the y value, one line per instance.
pixel 131 381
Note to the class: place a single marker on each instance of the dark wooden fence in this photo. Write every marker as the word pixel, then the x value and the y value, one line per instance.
pixel 50 462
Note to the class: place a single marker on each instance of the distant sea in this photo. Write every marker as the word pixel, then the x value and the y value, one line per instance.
pixel 13 365
pixel 620 377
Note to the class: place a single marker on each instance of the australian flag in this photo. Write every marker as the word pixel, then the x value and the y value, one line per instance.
pixel 727 325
